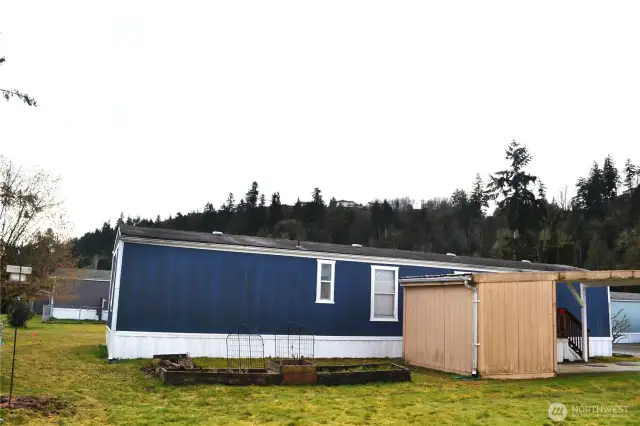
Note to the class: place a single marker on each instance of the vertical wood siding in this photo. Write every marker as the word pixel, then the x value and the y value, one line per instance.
pixel 517 329
pixel 438 328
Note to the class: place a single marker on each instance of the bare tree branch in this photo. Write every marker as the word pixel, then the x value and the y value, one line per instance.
pixel 620 326
pixel 8 94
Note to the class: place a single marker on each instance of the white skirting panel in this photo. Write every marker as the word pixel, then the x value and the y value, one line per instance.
pixel 598 346
pixel 78 314
pixel 133 344
pixel 630 338
pixel 108 341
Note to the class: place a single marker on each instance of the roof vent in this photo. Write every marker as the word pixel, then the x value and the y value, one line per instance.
pixel 217 233
pixel 451 254
pixel 356 245
pixel 526 261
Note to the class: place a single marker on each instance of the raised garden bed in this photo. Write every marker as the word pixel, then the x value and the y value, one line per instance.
pixel 362 373
pixel 295 371
pixel 180 370
pixel 219 376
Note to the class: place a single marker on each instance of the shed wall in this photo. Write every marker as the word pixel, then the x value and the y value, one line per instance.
pixel 438 330
pixel 517 329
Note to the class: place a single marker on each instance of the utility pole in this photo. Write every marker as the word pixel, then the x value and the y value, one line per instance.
pixel 1 323
pixel 16 274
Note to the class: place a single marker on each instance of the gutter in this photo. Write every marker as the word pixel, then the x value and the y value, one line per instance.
pixel 474 371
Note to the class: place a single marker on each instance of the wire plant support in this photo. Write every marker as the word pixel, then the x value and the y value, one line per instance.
pixel 295 342
pixel 245 350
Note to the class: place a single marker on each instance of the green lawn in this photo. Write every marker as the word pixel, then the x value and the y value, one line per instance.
pixel 62 360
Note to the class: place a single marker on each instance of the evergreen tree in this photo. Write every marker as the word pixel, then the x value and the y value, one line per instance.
pixel 591 193
pixel 251 198
pixel 230 204
pixel 120 220
pixel 610 179
pixel 630 175
pixel 478 199
pixel 515 199
pixel 297 210
pixel 275 209
pixel 316 197
pixel 542 191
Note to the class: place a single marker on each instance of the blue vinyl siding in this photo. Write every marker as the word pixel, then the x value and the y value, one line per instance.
pixel 169 289
pixel 597 307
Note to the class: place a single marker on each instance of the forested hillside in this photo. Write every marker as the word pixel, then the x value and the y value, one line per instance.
pixel 599 228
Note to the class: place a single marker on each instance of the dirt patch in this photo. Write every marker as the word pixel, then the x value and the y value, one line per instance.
pixel 44 405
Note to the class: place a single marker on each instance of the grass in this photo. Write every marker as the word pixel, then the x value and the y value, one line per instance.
pixel 63 360
pixel 617 358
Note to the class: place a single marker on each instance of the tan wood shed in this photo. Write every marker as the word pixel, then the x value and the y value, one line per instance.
pixel 494 325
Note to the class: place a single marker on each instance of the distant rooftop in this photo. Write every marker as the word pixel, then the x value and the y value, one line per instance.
pixel 82 274
pixel 293 245
pixel 621 295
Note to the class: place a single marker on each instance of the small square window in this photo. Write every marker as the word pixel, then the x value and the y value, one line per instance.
pixel 325 281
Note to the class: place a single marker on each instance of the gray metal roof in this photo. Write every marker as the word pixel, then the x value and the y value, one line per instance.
pixel 436 278
pixel 621 295
pixel 292 245
pixel 82 274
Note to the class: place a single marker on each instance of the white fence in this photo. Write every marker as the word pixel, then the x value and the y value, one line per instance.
pixel 79 314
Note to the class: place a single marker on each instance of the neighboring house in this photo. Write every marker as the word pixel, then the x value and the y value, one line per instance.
pixel 348 203
pixel 184 292
pixel 629 304
pixel 81 294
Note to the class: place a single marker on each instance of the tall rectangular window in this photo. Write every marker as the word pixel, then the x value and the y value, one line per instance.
pixel 325 281
pixel 384 293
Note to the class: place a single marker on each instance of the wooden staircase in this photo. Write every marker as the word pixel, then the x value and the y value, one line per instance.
pixel 570 328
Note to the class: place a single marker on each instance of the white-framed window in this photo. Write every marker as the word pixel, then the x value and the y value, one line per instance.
pixel 325 281
pixel 384 293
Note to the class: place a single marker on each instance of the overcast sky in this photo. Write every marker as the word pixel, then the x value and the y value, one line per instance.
pixel 158 107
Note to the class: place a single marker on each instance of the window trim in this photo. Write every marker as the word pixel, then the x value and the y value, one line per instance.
pixel 396 270
pixel 319 281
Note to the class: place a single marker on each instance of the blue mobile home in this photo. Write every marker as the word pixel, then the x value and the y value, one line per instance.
pixel 183 292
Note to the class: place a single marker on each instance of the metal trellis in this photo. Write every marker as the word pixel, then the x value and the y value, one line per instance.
pixel 245 350
pixel 295 342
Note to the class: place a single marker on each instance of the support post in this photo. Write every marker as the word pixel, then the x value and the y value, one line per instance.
pixel 583 311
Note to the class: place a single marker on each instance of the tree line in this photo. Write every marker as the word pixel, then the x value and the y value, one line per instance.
pixel 598 228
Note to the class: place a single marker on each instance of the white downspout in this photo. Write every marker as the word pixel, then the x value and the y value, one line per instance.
pixel 585 334
pixel 474 371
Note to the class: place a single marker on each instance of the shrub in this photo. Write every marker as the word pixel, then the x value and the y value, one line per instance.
pixel 19 314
